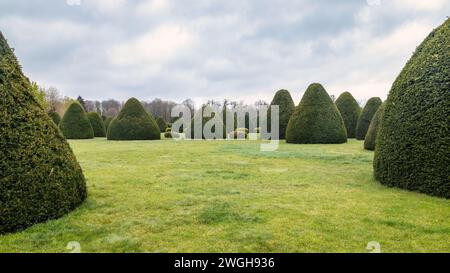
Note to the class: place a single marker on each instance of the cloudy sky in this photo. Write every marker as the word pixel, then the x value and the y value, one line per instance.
pixel 210 49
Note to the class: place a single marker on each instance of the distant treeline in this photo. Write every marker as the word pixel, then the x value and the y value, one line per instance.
pixel 53 101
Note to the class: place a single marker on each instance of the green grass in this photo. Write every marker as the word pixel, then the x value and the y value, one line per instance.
pixel 227 196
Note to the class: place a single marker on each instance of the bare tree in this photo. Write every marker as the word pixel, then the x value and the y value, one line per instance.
pixel 111 107
pixel 54 100
pixel 90 106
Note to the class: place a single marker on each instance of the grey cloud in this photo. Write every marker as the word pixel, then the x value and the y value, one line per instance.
pixel 239 50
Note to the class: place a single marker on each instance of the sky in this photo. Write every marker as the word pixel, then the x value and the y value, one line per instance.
pixel 205 49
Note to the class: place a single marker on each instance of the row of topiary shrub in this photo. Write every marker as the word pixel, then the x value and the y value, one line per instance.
pixel 41 178
pixel 132 123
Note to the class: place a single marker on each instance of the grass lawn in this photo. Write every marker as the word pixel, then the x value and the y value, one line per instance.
pixel 227 196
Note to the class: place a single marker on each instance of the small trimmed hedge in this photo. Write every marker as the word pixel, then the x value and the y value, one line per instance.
pixel 412 146
pixel 97 124
pixel 40 176
pixel 133 123
pixel 350 112
pixel 75 123
pixel 316 119
pixel 371 136
pixel 162 125
pixel 55 117
pixel 286 106
pixel 366 116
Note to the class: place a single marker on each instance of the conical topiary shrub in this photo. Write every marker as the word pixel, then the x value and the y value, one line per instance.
pixel 286 107
pixel 55 117
pixel 107 122
pixel 371 136
pixel 316 119
pixel 350 111
pixel 97 124
pixel 133 123
pixel 366 116
pixel 412 147
pixel 200 118
pixel 162 125
pixel 40 177
pixel 75 123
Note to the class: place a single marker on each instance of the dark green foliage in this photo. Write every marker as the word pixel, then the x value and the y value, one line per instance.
pixel 286 107
pixel 162 125
pixel 133 123
pixel 55 117
pixel 198 117
pixel 316 119
pixel 75 123
pixel 107 122
pixel 97 124
pixel 366 116
pixel 371 136
pixel 413 143
pixel 350 111
pixel 40 178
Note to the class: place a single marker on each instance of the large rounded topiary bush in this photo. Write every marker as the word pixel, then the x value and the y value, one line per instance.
pixel 97 124
pixel 286 107
pixel 350 111
pixel 75 123
pixel 55 117
pixel 371 136
pixel 412 147
pixel 201 118
pixel 133 123
pixel 366 116
pixel 40 177
pixel 316 119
